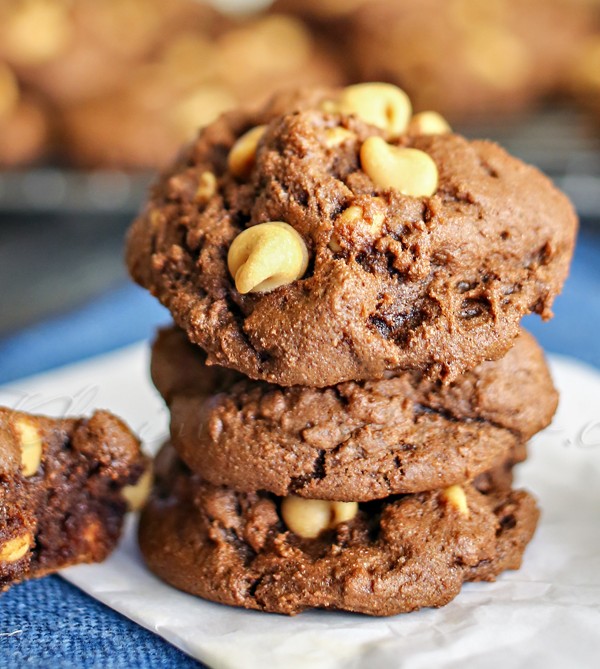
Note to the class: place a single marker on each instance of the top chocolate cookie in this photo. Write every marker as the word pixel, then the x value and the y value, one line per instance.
pixel 327 237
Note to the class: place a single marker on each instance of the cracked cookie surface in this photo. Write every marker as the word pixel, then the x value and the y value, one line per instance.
pixel 435 283
pixel 397 555
pixel 355 441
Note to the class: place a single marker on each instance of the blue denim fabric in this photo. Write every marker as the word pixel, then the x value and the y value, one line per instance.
pixel 49 623
pixel 120 317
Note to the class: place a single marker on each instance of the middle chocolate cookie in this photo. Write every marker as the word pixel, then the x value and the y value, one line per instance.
pixel 356 441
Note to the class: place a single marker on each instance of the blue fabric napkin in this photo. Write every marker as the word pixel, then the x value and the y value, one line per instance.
pixel 49 624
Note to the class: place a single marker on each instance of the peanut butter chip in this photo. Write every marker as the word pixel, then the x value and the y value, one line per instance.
pixel 335 137
pixel 243 152
pixel 428 123
pixel 267 256
pixel 137 494
pixel 309 517
pixel 207 187
pixel 31 447
pixel 455 497
pixel 15 549
pixel 498 58
pixel 410 171
pixel 382 105
pixel 37 31
pixel 200 108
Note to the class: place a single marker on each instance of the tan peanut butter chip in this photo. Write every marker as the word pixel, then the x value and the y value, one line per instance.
pixel 270 46
pixel 189 58
pixel 455 497
pixel 428 123
pixel 15 549
pixel 410 171
pixel 136 495
pixel 309 517
pixel 467 14
pixel 243 152
pixel 382 105
pixel 372 217
pixel 337 136
pixel 92 532
pixel 207 187
pixel 31 447
pixel 266 256
pixel 367 219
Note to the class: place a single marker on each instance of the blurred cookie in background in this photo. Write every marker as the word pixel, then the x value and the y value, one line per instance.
pixel 191 80
pixel 257 57
pixel 24 124
pixel 71 50
pixel 319 11
pixel 128 81
pixel 465 58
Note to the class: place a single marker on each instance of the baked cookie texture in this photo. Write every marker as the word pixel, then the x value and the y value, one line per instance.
pixel 65 486
pixel 393 282
pixel 356 441
pixel 396 555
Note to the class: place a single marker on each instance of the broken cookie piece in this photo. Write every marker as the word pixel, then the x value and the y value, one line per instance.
pixel 63 490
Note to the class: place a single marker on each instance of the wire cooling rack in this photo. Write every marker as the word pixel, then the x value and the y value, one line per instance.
pixel 56 191
pixel 563 142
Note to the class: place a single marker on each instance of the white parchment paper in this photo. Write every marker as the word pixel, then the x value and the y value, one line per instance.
pixel 545 615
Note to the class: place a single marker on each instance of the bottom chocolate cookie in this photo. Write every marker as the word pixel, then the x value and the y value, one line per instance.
pixel 381 558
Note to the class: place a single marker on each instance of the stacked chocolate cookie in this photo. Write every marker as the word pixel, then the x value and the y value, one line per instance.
pixel 348 383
